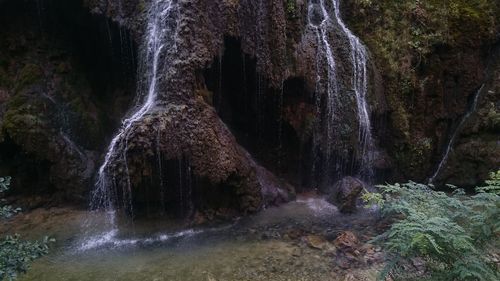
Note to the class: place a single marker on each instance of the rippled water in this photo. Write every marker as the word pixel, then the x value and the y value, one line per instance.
pixel 251 248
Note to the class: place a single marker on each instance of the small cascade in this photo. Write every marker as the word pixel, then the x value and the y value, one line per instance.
pixel 280 125
pixel 259 102
pixel 451 141
pixel 73 147
pixel 156 38
pixel 321 21
pixel 218 98
pixel 163 182
pixel 359 60
pixel 185 187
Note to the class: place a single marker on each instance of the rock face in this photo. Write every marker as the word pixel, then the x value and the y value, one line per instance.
pixel 68 76
pixel 477 149
pixel 201 28
pixel 345 194
pixel 431 68
pixel 51 109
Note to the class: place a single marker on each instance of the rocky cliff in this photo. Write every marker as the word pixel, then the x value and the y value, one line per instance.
pixel 238 91
pixel 434 57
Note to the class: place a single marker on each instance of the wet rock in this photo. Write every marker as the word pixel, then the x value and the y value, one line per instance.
pixel 382 161
pixel 476 150
pixel 346 193
pixel 346 240
pixel 349 254
pixel 372 254
pixel 294 233
pixel 274 190
pixel 315 241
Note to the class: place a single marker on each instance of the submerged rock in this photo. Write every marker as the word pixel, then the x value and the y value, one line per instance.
pixel 346 240
pixel 315 241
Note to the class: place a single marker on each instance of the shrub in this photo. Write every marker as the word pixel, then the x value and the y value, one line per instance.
pixel 453 234
pixel 16 255
pixel 6 211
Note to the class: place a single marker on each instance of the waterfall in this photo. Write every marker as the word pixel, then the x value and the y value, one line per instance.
pixel 451 141
pixel 359 59
pixel 332 84
pixel 321 20
pixel 156 38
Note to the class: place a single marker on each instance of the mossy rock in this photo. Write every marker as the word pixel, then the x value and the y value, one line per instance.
pixel 5 80
pixel 27 76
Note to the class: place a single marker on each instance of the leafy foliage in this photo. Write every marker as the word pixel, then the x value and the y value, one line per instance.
pixel 373 198
pixel 492 185
pixel 16 255
pixel 453 233
pixel 6 211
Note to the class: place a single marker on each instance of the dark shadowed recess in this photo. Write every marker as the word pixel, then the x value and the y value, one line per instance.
pixel 30 172
pixel 101 53
pixel 173 191
pixel 105 51
pixel 257 113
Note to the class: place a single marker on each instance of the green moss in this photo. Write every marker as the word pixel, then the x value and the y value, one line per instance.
pixel 5 80
pixel 403 37
pixel 28 75
pixel 205 95
pixel 493 118
pixel 291 8
pixel 63 68
pixel 413 157
pixel 141 6
pixel 398 30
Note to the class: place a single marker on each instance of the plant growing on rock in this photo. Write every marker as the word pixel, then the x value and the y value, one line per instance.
pixel 455 235
pixel 16 255
pixel 291 8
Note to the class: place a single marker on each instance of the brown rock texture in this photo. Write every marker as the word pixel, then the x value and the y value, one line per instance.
pixel 62 95
pixel 477 149
pixel 346 193
pixel 433 58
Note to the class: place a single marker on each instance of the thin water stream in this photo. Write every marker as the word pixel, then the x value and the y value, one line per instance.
pixel 156 40
pixel 323 21
pixel 454 135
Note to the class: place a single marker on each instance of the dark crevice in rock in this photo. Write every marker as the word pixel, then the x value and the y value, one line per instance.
pixel 272 124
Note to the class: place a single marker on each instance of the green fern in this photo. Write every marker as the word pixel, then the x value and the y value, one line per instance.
pixel 492 185
pixel 453 233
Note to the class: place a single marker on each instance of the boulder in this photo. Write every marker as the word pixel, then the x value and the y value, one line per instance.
pixel 346 193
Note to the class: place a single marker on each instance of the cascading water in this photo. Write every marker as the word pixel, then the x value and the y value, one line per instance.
pixel 451 141
pixel 156 39
pixel 320 20
pixel 332 87
pixel 359 59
